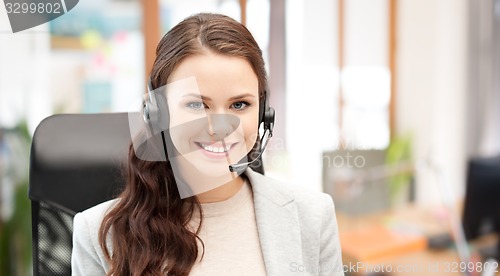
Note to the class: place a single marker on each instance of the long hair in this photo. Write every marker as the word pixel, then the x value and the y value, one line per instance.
pixel 147 226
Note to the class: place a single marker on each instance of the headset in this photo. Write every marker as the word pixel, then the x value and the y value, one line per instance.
pixel 156 115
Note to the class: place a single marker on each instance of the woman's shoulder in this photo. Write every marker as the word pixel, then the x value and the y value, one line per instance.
pixel 87 256
pixel 98 211
pixel 283 192
pixel 92 217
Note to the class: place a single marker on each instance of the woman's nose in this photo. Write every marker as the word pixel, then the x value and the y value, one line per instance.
pixel 222 125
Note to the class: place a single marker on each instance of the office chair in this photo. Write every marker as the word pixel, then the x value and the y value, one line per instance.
pixel 75 163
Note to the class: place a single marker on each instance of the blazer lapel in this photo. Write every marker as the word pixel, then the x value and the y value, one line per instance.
pixel 277 223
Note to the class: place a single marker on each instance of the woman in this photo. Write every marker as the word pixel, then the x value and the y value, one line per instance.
pixel 220 222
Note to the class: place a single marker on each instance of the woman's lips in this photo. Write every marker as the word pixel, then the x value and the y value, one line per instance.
pixel 215 150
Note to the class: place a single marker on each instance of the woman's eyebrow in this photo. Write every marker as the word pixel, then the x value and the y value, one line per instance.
pixel 241 96
pixel 208 99
pixel 197 96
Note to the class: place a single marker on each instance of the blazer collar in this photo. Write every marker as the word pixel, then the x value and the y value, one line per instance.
pixel 269 188
pixel 278 224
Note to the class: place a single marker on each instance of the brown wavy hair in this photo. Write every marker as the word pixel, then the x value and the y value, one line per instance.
pixel 147 226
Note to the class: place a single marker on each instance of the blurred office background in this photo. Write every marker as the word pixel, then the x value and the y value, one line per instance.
pixel 417 80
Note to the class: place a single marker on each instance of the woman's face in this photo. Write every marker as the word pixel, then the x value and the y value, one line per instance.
pixel 214 110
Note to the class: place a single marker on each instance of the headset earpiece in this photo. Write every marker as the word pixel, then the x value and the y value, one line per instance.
pixel 152 114
pixel 150 111
pixel 266 114
pixel 269 120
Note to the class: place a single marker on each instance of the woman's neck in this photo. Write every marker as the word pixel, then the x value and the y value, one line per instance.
pixel 223 192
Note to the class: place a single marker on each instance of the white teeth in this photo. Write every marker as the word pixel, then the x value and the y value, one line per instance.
pixel 213 149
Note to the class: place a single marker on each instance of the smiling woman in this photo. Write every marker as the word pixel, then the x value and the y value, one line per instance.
pixel 233 222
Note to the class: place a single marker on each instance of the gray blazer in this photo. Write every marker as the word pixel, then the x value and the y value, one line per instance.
pixel 297 230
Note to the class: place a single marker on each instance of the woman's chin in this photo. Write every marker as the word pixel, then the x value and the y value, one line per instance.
pixel 202 172
pixel 211 170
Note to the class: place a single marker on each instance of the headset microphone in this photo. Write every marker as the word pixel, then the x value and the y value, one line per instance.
pixel 268 120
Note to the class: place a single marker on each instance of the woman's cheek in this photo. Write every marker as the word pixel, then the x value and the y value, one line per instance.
pixel 251 128
pixel 185 128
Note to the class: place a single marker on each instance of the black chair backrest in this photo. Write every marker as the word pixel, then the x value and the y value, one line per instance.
pixel 76 162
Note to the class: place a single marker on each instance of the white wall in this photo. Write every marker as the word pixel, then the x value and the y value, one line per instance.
pixel 432 87
pixel 312 90
pixel 24 67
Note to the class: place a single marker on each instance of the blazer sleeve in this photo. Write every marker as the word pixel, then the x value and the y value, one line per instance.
pixel 330 252
pixel 84 257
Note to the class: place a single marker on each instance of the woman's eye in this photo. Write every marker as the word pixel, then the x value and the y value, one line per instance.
pixel 240 105
pixel 195 105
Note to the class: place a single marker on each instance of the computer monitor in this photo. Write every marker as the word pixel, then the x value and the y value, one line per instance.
pixel 482 199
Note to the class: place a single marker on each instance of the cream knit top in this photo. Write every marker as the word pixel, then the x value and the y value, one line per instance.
pixel 229 232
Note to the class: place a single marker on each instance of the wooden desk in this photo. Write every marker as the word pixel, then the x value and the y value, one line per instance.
pixel 426 221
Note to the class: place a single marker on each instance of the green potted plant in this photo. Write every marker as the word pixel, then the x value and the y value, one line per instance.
pixel 15 228
pixel 399 157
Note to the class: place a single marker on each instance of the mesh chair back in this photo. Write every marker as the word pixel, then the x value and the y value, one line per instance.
pixel 75 163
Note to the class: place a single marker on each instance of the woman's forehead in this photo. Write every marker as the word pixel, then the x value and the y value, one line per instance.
pixel 217 73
